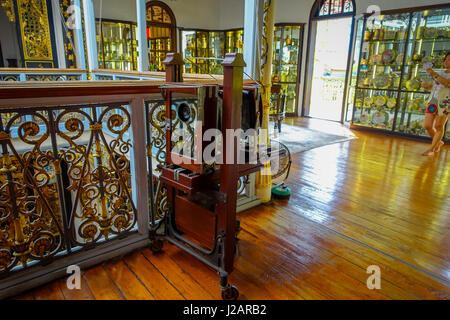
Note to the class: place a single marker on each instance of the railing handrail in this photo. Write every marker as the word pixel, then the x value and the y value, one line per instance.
pixel 46 89
pixel 152 74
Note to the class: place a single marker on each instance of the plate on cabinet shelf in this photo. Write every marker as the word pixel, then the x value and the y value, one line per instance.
pixel 382 81
pixel 389 56
pixel 391 103
pixel 365 118
pixel 368 102
pixel 380 101
pixel 380 118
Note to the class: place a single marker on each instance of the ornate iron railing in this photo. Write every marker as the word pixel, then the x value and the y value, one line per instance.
pixel 65 180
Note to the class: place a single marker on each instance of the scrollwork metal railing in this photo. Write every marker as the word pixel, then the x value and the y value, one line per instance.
pixel 64 180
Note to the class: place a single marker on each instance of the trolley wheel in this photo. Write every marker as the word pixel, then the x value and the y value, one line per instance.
pixel 230 293
pixel 156 245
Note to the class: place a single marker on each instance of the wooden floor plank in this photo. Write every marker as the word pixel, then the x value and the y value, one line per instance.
pixel 156 283
pixel 127 282
pixel 84 293
pixel 102 287
pixel 183 281
pixel 50 291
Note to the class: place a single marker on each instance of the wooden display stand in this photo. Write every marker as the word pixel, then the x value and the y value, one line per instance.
pixel 202 204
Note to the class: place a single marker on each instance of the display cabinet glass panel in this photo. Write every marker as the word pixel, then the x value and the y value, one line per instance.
pixel 285 63
pixel 202 38
pixel 354 71
pixel 189 51
pixel 234 41
pixel 216 51
pixel 203 50
pixel 412 114
pixel 375 108
pixel 383 52
pixel 117 45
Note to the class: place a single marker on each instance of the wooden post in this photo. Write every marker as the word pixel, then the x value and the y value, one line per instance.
pixel 264 177
pixel 233 66
pixel 174 67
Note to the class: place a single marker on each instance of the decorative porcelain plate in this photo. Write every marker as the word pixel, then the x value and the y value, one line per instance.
pixel 389 56
pixel 413 84
pixel 391 103
pixel 365 118
pixel 382 81
pixel 368 102
pixel 380 101
pixel 379 118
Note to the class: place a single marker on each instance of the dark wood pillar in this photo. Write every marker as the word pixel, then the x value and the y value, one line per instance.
pixel 174 67
pixel 229 172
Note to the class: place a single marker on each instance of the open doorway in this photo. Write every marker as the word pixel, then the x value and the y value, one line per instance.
pixel 330 40
pixel 329 68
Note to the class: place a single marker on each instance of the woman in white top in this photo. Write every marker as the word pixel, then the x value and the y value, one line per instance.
pixel 438 109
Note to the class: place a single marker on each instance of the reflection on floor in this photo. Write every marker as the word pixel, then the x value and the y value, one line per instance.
pixel 373 200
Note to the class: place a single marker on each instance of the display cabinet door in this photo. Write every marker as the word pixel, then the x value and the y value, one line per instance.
pixel 354 70
pixel 289 54
pixel 276 54
pixel 189 50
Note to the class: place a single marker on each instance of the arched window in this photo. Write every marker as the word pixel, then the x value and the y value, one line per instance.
pixel 334 8
pixel 161 33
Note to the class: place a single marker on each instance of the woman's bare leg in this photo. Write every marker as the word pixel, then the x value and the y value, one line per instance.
pixel 429 124
pixel 437 139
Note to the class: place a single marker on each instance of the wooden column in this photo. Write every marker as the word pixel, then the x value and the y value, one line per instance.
pixel 174 67
pixel 264 177
pixel 233 66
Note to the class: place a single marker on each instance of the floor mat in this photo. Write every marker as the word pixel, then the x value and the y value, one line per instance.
pixel 299 139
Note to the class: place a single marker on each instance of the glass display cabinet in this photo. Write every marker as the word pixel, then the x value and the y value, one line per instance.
pixel 287 48
pixel 394 53
pixel 234 41
pixel 201 48
pixel 117 45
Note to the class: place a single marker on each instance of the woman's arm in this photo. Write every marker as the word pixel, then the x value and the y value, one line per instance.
pixel 438 78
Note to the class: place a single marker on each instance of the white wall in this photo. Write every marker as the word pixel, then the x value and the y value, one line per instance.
pixel 200 14
pixel 231 14
pixel 116 9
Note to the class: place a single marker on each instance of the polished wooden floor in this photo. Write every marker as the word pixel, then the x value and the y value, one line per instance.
pixel 373 200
